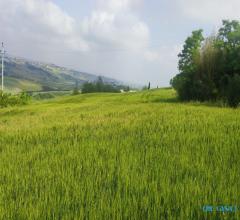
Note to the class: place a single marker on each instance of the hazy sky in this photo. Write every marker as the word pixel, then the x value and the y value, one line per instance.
pixel 131 40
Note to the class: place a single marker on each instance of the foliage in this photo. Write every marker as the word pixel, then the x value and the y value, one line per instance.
pixel 6 99
pixel 118 156
pixel 186 83
pixel 149 86
pixel 99 86
pixel 233 91
pixel 190 52
pixel 126 88
pixel 208 66
pixel 75 91
pixel 144 88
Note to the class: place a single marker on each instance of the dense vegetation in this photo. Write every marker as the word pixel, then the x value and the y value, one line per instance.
pixel 7 99
pixel 210 68
pixel 98 86
pixel 118 156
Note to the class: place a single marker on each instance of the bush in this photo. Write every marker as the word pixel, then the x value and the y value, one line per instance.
pixel 7 99
pixel 75 91
pixel 233 91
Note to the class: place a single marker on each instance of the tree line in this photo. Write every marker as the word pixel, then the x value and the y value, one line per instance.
pixel 99 86
pixel 209 68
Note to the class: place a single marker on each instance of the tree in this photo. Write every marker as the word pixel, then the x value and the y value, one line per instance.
pixel 76 89
pixel 99 86
pixel 233 91
pixel 186 81
pixel 210 69
pixel 228 44
pixel 190 52
pixel 149 86
pixel 126 88
pixel 88 88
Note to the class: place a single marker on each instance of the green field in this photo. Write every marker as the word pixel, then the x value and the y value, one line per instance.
pixel 17 85
pixel 118 156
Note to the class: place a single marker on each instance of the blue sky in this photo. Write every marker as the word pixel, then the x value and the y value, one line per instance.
pixel 132 40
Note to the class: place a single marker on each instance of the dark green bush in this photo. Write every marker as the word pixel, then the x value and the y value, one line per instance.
pixel 7 99
pixel 75 91
pixel 233 91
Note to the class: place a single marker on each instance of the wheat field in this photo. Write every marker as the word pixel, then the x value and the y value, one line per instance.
pixel 118 156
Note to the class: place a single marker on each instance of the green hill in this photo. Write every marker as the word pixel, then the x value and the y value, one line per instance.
pixel 25 75
pixel 118 156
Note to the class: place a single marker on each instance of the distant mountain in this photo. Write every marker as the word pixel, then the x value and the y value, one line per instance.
pixel 25 75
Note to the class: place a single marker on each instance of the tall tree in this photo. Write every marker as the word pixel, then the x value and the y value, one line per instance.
pixel 190 52
pixel 149 86
pixel 210 69
pixel 185 82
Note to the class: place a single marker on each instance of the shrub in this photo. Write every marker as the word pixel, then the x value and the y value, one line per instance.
pixel 233 91
pixel 75 91
pixel 7 99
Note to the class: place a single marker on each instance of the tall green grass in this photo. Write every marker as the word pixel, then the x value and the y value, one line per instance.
pixel 118 156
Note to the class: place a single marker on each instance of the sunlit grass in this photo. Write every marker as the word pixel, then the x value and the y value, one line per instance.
pixel 118 156
pixel 16 85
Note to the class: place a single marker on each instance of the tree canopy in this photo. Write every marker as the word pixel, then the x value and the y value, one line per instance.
pixel 209 68
pixel 99 86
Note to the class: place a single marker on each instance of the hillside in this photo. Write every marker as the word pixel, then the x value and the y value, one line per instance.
pixel 25 75
pixel 118 156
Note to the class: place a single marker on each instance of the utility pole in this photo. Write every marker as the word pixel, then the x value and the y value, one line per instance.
pixel 3 53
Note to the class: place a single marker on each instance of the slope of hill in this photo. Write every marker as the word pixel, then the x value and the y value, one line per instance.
pixel 118 156
pixel 22 74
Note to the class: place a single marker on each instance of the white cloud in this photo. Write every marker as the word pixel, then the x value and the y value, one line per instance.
pixel 49 15
pixel 39 29
pixel 112 25
pixel 119 5
pixel 152 56
pixel 212 11
pixel 40 22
